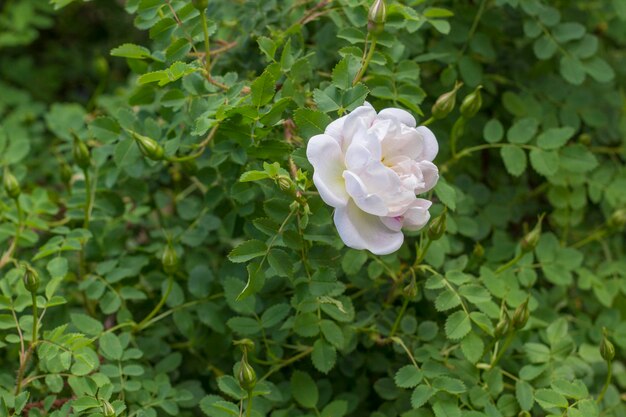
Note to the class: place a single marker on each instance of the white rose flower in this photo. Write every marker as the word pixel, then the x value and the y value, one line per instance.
pixel 370 167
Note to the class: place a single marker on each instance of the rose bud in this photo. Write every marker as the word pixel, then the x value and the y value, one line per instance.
pixel 531 239
pixel 520 316
pixel 617 219
pixel 149 147
pixel 31 279
pixel 107 409
pixel 80 151
pixel 11 185
pixel 479 250
pixel 377 17
pixel 200 4
pixel 503 327
pixel 169 260
pixel 472 103
pixel 607 350
pixel 446 102
pixel 437 227
pixel 247 376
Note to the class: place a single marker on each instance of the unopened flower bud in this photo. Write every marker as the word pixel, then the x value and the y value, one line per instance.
pixel 479 250
pixel 529 242
pixel 411 290
pixel 247 376
pixel 66 173
pixel 607 350
pixel 169 260
pixel 149 147
pixel 502 327
pixel 285 183
pixel 11 185
pixel 80 152
pixel 107 409
pixel 520 316
pixel 523 414
pixel 584 139
pixel 31 278
pixel 617 219
pixel 437 227
pixel 101 66
pixel 200 4
pixel 445 103
pixel 472 103
pixel 377 17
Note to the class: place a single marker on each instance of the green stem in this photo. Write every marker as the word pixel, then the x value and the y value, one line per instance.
pixel 505 346
pixel 249 406
pixel 423 253
pixel 155 310
pixel 598 234
pixel 607 382
pixel 510 263
pixel 400 315
pixel 428 121
pixel 479 14
pixel 366 62
pixel 88 202
pixel 207 50
pixel 35 318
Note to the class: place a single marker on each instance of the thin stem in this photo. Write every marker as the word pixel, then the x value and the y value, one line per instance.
pixel 294 358
pixel 598 234
pixel 479 14
pixel 207 49
pixel 155 310
pixel 510 263
pixel 365 62
pixel 35 318
pixel 88 202
pixel 505 346
pixel 399 318
pixel 428 121
pixel 607 382
pixel 423 252
pixel 249 405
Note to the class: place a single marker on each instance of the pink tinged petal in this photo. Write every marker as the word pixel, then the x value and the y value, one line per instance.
pixel 400 115
pixel 368 202
pixel 431 147
pixel 360 230
pixel 324 153
pixel 407 142
pixel 394 223
pixel 430 173
pixel 417 216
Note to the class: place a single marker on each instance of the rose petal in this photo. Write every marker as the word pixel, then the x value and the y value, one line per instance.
pixel 405 142
pixel 360 230
pixel 335 129
pixel 400 115
pixel 368 202
pixel 431 147
pixel 357 123
pixel 417 215
pixel 431 175
pixel 324 153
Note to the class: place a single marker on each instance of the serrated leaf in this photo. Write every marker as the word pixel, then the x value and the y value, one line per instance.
pixel 304 389
pixel 524 395
pixel 549 399
pixel 130 50
pixel 247 250
pixel 324 356
pixel 514 159
pixel 545 163
pixel 311 122
pixel 446 300
pixel 555 137
pixel 408 376
pixel 458 325
pixel 523 130
pixel 262 89
pixel 421 394
pixel 274 315
pixel 472 347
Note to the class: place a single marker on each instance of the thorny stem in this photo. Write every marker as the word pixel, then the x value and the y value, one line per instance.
pixel 155 310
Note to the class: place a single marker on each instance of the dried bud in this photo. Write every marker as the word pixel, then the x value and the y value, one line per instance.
pixel 200 4
pixel 437 227
pixel 247 376
pixel 80 151
pixel 169 260
pixel 31 278
pixel 503 327
pixel 11 185
pixel 446 102
pixel 529 242
pixel 149 147
pixel 107 409
pixel 607 350
pixel 472 103
pixel 617 219
pixel 520 316
pixel 479 250
pixel 377 17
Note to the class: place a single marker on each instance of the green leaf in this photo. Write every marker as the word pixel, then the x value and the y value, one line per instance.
pixel 110 346
pixel 229 386
pixel 572 70
pixel 472 347
pixel 304 389
pixel 544 47
pixel 274 315
pixel 514 159
pixel 555 138
pixel 129 50
pixel 577 158
pixel 57 267
pixel 332 332
pixel 311 122
pixel 337 408
pixel 247 250
pixel 458 325
pixel 245 326
pixel 421 394
pixel 524 395
pixel 449 384
pixel 522 131
pixel 493 131
pixel 262 89
pixel 545 163
pixel 354 97
pixel 446 194
pixel 446 300
pixel 86 324
pixel 408 376
pixel 324 356
pixel 327 100
pixel 446 408
pixel 568 31
pixel 549 399
pixel 267 46
pixel 599 70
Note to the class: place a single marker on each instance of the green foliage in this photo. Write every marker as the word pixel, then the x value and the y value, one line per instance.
pixel 201 153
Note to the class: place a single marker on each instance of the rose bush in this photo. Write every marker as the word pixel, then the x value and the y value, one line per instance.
pixel 370 167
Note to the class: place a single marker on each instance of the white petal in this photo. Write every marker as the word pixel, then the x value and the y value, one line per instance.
pixel 357 123
pixel 324 153
pixel 400 115
pixel 405 142
pixel 417 215
pixel 431 175
pixel 368 202
pixel 360 230
pixel 431 147
pixel 394 223
pixel 335 129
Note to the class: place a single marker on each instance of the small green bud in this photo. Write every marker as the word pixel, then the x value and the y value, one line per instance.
pixel 169 260
pixel 529 242
pixel 247 376
pixel 520 316
pixel 410 290
pixel 607 350
pixel 472 103
pixel 101 66
pixel 66 173
pixel 11 185
pixel 285 183
pixel 31 278
pixel 617 219
pixel 149 147
pixel 107 409
pixel 437 227
pixel 584 139
pixel 502 327
pixel 479 250
pixel 523 414
pixel 377 17
pixel 445 103
pixel 200 5
pixel 80 152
